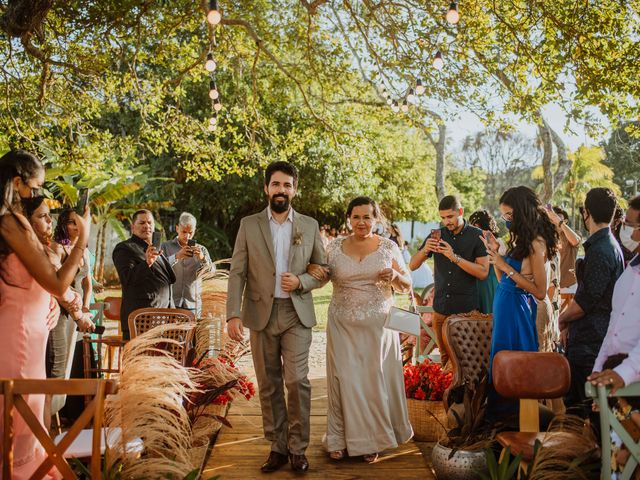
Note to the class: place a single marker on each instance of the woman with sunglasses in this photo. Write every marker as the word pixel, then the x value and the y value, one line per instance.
pixel 533 240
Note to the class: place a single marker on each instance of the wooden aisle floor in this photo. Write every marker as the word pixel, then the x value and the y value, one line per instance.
pixel 239 451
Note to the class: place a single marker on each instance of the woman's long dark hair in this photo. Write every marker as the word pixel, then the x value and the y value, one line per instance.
pixel 15 163
pixel 530 221
pixel 485 221
pixel 61 233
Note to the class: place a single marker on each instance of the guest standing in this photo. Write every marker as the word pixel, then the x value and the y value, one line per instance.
pixel 569 246
pixel 623 334
pixel 586 319
pixel 367 409
pixel 27 281
pixel 270 292
pixel 145 273
pixel 483 220
pixel 189 263
pixel 460 259
pixel 523 278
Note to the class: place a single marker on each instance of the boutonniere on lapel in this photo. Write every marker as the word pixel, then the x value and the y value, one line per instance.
pixel 297 238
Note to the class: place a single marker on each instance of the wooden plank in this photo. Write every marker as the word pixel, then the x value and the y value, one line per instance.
pixel 239 451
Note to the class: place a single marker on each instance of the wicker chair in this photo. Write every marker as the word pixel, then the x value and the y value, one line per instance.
pixel 467 338
pixel 144 319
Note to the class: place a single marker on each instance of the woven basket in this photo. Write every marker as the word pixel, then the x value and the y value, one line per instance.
pixel 421 415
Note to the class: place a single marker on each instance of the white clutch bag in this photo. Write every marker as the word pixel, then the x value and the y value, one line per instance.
pixel 403 321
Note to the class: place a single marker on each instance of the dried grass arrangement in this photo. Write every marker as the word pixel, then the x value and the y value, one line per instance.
pixel 578 459
pixel 150 405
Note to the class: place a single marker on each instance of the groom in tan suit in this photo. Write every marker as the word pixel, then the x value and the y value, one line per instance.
pixel 270 293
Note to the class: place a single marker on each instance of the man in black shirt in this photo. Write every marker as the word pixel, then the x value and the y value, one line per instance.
pixel 460 259
pixel 145 273
pixel 585 322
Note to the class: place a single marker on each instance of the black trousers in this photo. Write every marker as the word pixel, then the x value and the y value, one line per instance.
pixel 576 400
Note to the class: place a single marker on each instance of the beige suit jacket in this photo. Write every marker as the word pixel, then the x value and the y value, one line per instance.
pixel 253 273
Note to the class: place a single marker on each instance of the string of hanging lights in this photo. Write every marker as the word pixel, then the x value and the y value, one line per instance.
pixel 214 17
pixel 453 17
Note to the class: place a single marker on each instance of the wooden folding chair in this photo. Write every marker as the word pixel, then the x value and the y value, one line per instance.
pixel 144 319
pixel 14 391
pixel 609 421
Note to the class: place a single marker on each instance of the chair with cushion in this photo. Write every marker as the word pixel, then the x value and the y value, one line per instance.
pixel 467 338
pixel 530 377
pixel 144 319
pixel 14 391
pixel 609 421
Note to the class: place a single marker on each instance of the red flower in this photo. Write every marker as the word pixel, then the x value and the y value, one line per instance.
pixel 426 381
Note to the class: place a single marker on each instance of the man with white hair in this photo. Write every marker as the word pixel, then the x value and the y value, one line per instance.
pixel 189 261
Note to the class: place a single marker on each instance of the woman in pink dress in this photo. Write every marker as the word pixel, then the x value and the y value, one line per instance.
pixel 27 282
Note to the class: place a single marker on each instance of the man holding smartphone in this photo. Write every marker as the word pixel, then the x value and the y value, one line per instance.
pixel 145 273
pixel 189 261
pixel 460 259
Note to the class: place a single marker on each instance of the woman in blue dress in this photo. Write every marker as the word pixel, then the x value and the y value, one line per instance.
pixel 533 240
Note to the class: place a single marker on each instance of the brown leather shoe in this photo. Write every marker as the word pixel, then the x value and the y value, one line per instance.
pixel 274 462
pixel 299 463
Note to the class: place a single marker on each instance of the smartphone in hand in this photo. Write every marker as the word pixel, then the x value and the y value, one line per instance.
pixel 83 201
pixel 191 242
pixel 436 234
pixel 156 240
pixel 99 330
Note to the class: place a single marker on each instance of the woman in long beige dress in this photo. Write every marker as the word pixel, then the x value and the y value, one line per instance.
pixel 367 409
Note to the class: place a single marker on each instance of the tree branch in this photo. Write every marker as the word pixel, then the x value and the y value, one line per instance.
pixel 260 43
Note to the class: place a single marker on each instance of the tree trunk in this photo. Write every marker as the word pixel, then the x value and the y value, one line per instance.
pixel 97 253
pixel 103 249
pixel 547 157
pixel 440 164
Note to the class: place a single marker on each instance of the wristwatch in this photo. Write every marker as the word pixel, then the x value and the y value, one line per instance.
pixel 511 274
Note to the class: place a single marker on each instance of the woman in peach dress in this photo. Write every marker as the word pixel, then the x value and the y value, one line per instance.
pixel 27 282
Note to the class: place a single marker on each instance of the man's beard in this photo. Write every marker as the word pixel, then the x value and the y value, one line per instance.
pixel 279 207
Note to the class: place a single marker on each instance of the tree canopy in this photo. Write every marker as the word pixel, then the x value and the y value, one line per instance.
pixel 118 86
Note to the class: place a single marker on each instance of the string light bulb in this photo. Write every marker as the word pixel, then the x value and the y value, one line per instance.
pixel 411 97
pixel 420 88
pixel 213 121
pixel 389 101
pixel 213 90
pixel 212 127
pixel 214 16
pixel 217 106
pixel 453 16
pixel 395 107
pixel 210 64
pixel 438 61
pixel 384 92
pixel 405 106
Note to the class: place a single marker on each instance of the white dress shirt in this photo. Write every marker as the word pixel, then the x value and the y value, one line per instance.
pixel 281 235
pixel 623 335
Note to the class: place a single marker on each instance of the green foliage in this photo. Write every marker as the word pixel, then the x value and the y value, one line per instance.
pixel 505 470
pixel 469 185
pixel 588 171
pixel 622 151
